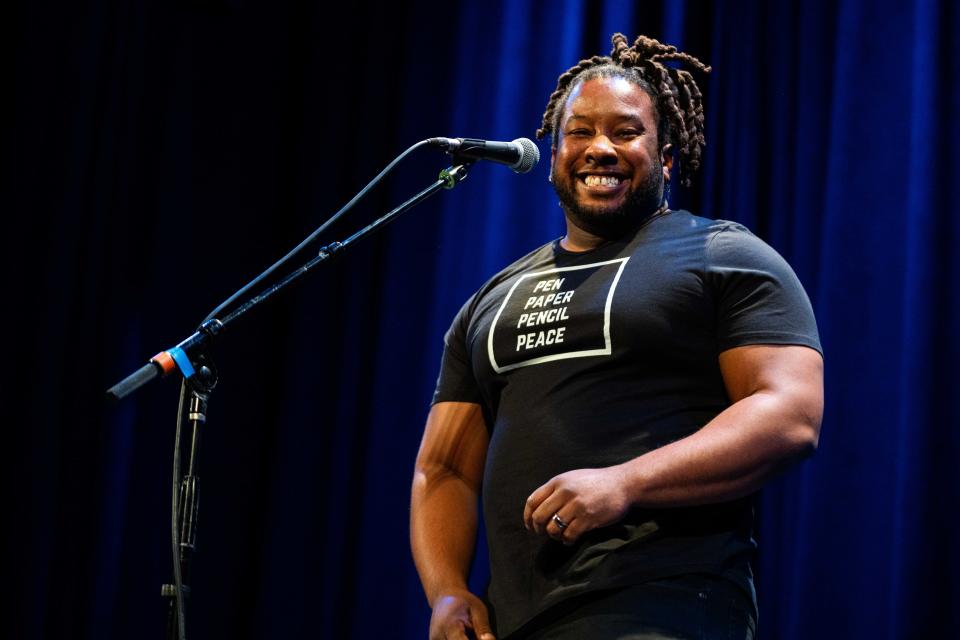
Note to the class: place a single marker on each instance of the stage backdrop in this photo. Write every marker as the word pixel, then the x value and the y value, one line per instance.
pixel 158 154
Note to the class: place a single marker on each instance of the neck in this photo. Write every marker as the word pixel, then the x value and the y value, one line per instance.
pixel 578 239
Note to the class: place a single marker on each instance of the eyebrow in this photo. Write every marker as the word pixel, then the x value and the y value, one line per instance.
pixel 622 117
pixel 619 116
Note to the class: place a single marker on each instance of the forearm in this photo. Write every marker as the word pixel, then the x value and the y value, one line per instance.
pixel 443 529
pixel 730 457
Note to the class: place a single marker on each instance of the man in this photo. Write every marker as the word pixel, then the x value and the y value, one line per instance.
pixel 619 393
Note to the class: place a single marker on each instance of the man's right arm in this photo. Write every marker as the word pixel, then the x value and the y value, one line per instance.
pixel 443 516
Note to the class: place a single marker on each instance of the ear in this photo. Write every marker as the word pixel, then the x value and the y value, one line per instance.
pixel 553 156
pixel 666 158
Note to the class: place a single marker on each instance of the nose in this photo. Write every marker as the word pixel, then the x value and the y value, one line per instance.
pixel 601 151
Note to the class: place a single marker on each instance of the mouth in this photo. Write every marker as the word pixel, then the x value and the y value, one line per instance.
pixel 602 183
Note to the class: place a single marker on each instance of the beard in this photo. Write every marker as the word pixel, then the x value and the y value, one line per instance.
pixel 612 221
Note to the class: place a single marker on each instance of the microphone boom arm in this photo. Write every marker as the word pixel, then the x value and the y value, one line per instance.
pixel 181 356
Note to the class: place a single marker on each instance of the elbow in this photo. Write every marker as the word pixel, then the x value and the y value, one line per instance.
pixel 807 416
pixel 800 433
pixel 805 439
pixel 427 475
pixel 808 449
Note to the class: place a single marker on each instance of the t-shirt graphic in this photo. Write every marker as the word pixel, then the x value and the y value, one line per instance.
pixel 555 314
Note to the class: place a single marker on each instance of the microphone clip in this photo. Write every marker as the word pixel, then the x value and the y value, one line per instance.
pixel 451 176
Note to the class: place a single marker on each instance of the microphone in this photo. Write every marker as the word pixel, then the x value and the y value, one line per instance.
pixel 521 155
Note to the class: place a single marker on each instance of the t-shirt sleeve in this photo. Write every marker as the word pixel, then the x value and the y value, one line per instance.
pixel 759 299
pixel 456 382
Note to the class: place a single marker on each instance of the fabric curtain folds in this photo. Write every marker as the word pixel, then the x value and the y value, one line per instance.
pixel 160 154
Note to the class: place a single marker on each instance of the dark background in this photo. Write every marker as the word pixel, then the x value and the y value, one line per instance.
pixel 159 154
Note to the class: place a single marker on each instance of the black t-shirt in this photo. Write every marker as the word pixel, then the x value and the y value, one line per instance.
pixel 587 360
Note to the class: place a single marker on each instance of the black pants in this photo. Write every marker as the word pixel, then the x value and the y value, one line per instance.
pixel 691 607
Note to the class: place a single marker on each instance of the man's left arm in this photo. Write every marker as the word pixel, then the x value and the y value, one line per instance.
pixel 774 420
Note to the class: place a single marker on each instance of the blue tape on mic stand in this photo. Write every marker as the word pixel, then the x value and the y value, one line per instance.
pixel 183 362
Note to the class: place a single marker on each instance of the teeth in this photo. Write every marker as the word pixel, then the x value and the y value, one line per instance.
pixel 606 181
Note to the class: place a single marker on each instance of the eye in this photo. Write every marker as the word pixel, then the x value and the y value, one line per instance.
pixel 578 133
pixel 628 133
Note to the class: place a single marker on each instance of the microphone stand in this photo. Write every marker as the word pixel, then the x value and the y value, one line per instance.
pixel 186 508
pixel 191 357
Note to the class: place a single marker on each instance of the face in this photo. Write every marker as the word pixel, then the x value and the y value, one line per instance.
pixel 606 167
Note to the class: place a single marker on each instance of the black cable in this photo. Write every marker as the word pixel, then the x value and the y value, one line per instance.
pixel 313 236
pixel 175 519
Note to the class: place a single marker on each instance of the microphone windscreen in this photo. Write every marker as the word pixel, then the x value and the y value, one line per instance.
pixel 529 157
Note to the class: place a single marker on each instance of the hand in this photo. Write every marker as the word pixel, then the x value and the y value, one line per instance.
pixel 454 612
pixel 583 499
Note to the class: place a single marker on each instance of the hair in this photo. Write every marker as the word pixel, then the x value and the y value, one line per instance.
pixel 678 101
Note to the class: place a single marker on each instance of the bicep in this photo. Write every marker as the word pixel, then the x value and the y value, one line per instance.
pixel 454 441
pixel 792 374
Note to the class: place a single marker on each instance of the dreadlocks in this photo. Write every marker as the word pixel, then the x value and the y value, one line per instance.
pixel 675 93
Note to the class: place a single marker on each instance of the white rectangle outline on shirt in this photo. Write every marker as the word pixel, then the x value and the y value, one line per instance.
pixel 607 350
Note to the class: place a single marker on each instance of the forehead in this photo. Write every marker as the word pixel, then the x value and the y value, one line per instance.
pixel 608 97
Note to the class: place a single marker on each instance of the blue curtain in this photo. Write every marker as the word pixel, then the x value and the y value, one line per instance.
pixel 157 155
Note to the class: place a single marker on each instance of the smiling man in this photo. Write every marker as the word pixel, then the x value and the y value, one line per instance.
pixel 607 182
pixel 616 396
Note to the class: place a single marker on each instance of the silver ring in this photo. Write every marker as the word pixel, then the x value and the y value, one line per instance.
pixel 559 522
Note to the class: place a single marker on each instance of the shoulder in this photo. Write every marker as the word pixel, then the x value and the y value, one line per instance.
pixel 711 228
pixel 686 219
pixel 730 243
pixel 682 224
pixel 705 241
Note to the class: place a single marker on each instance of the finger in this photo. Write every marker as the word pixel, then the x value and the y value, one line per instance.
pixel 457 632
pixel 544 513
pixel 553 528
pixel 481 623
pixel 575 528
pixel 533 502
